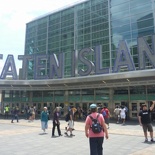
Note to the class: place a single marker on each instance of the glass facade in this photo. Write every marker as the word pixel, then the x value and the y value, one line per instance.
pixel 69 30
pixel 88 24
pixel 131 19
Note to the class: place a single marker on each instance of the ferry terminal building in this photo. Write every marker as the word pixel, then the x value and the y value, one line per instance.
pixel 94 51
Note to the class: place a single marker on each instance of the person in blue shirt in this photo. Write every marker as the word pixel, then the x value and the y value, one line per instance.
pixel 44 119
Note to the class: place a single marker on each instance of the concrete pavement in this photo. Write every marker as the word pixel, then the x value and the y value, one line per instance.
pixel 26 137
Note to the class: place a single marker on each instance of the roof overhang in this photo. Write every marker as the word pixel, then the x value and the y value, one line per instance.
pixel 132 78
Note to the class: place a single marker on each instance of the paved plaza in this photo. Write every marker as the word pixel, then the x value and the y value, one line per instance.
pixel 26 138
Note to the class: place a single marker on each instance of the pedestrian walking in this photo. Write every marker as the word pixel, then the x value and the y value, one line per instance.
pixel 56 122
pixel 95 139
pixel 15 113
pixel 6 111
pixel 106 114
pixel 145 120
pixel 44 119
pixel 117 113
pixel 123 114
pixel 70 122
pixel 31 114
pixel 126 112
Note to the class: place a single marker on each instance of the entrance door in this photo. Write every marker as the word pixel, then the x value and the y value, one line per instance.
pixel 135 107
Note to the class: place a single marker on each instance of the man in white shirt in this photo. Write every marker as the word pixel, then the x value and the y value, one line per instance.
pixel 117 113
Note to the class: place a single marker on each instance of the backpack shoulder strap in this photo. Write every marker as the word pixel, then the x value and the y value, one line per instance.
pixel 91 117
pixel 97 116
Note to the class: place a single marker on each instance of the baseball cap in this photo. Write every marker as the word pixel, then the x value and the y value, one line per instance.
pixel 93 106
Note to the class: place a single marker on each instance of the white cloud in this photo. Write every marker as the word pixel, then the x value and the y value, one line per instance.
pixel 14 16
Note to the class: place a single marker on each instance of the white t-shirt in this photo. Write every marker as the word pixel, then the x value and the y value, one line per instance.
pixel 122 111
pixel 117 111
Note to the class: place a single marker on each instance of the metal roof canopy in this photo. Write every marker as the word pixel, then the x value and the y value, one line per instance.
pixel 132 78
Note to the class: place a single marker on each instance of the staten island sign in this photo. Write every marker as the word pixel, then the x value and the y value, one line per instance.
pixel 56 62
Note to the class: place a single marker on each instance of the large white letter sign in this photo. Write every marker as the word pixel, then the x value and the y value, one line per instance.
pixel 98 61
pixel 25 66
pixel 9 68
pixel 145 51
pixel 123 58
pixel 39 66
pixel 85 61
pixel 56 66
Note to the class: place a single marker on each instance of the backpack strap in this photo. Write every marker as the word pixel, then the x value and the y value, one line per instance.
pixel 91 117
pixel 96 117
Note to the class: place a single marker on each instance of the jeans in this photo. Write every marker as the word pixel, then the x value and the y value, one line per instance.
pixel 6 114
pixel 14 117
pixel 96 145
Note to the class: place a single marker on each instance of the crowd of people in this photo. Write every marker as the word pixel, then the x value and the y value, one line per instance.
pixel 96 121
pixel 29 113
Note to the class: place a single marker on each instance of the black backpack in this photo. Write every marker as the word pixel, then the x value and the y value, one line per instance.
pixel 67 117
pixel 96 126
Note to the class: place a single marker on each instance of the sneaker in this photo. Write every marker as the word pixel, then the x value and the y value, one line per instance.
pixel 66 133
pixel 72 135
pixel 61 135
pixel 146 140
pixel 152 140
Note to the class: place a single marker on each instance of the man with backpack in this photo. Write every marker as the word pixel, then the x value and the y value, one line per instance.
pixel 106 114
pixel 70 121
pixel 95 129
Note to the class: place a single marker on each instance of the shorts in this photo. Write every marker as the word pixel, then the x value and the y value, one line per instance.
pixel 147 127
pixel 123 116
pixel 71 124
pixel 44 125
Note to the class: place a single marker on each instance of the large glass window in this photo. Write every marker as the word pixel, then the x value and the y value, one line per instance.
pixel 138 90
pixel 87 94
pixel 120 91
pixel 151 89
pixel 130 20
pixel 47 93
pixel 37 94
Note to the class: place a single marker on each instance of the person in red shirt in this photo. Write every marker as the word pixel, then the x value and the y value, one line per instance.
pixel 106 114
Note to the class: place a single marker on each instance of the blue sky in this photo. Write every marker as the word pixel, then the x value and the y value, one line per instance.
pixel 14 14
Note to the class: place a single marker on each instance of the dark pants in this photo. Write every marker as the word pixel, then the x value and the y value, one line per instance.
pixel 14 117
pixel 96 145
pixel 6 114
pixel 58 128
